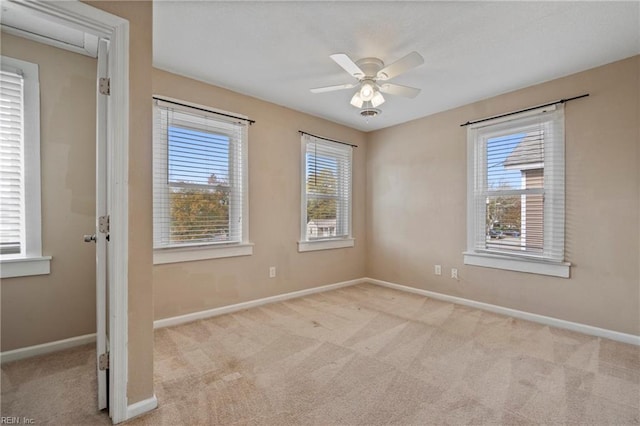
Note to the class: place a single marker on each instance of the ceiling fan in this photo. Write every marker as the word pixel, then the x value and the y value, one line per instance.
pixel 372 76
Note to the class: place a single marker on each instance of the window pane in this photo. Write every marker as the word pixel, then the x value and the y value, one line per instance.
pixel 515 162
pixel 322 191
pixel 322 175
pixel 199 178
pixel 322 219
pixel 515 222
pixel 322 205
pixel 509 155
pixel 327 174
pixel 12 211
pixel 199 214
pixel 198 157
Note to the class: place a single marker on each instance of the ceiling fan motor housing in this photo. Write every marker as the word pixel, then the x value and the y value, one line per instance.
pixel 370 67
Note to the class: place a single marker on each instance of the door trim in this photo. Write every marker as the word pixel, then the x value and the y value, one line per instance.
pixel 116 29
pixel 118 251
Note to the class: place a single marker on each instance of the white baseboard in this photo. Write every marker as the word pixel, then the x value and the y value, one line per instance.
pixel 554 322
pixel 168 322
pixel 46 348
pixel 142 407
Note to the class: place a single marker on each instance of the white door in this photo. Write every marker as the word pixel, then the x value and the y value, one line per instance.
pixel 101 236
pixel 104 284
pixel 102 228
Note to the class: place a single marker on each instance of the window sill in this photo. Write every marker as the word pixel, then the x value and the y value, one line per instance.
pixel 190 254
pixel 325 244
pixel 24 266
pixel 541 267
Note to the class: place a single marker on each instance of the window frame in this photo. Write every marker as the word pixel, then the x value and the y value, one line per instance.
pixel 30 260
pixel 551 261
pixel 240 148
pixel 346 240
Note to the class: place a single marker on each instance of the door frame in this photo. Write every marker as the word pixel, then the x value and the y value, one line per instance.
pixel 116 29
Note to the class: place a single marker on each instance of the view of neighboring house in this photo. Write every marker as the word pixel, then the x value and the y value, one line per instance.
pixel 528 158
pixel 321 228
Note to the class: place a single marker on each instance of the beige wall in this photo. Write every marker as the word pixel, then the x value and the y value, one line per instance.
pixel 421 165
pixel 274 211
pixel 45 308
pixel 140 300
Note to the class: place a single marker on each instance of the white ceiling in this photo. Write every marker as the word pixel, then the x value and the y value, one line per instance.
pixel 277 51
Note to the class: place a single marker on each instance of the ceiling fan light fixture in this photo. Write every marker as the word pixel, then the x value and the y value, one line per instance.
pixel 368 110
pixel 357 101
pixel 368 113
pixel 377 99
pixel 367 91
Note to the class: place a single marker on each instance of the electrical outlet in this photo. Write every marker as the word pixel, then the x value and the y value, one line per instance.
pixel 454 273
pixel 438 270
pixel 272 272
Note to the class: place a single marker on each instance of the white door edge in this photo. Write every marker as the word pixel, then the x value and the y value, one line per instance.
pixel 101 210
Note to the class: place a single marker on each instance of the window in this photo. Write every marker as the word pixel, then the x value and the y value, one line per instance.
pixel 20 221
pixel 200 180
pixel 326 194
pixel 516 193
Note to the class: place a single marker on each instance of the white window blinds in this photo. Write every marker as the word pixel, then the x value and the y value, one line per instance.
pixel 518 188
pixel 199 177
pixel 12 196
pixel 327 168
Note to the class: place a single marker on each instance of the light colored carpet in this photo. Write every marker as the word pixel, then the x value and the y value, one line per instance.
pixel 58 388
pixel 358 355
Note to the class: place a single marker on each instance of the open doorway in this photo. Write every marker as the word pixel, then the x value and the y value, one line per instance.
pixel 79 53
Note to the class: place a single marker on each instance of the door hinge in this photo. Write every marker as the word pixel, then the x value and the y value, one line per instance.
pixel 103 224
pixel 104 86
pixel 103 361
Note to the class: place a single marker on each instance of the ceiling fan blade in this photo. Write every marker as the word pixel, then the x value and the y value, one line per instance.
pixel 332 88
pixel 400 90
pixel 403 64
pixel 347 64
